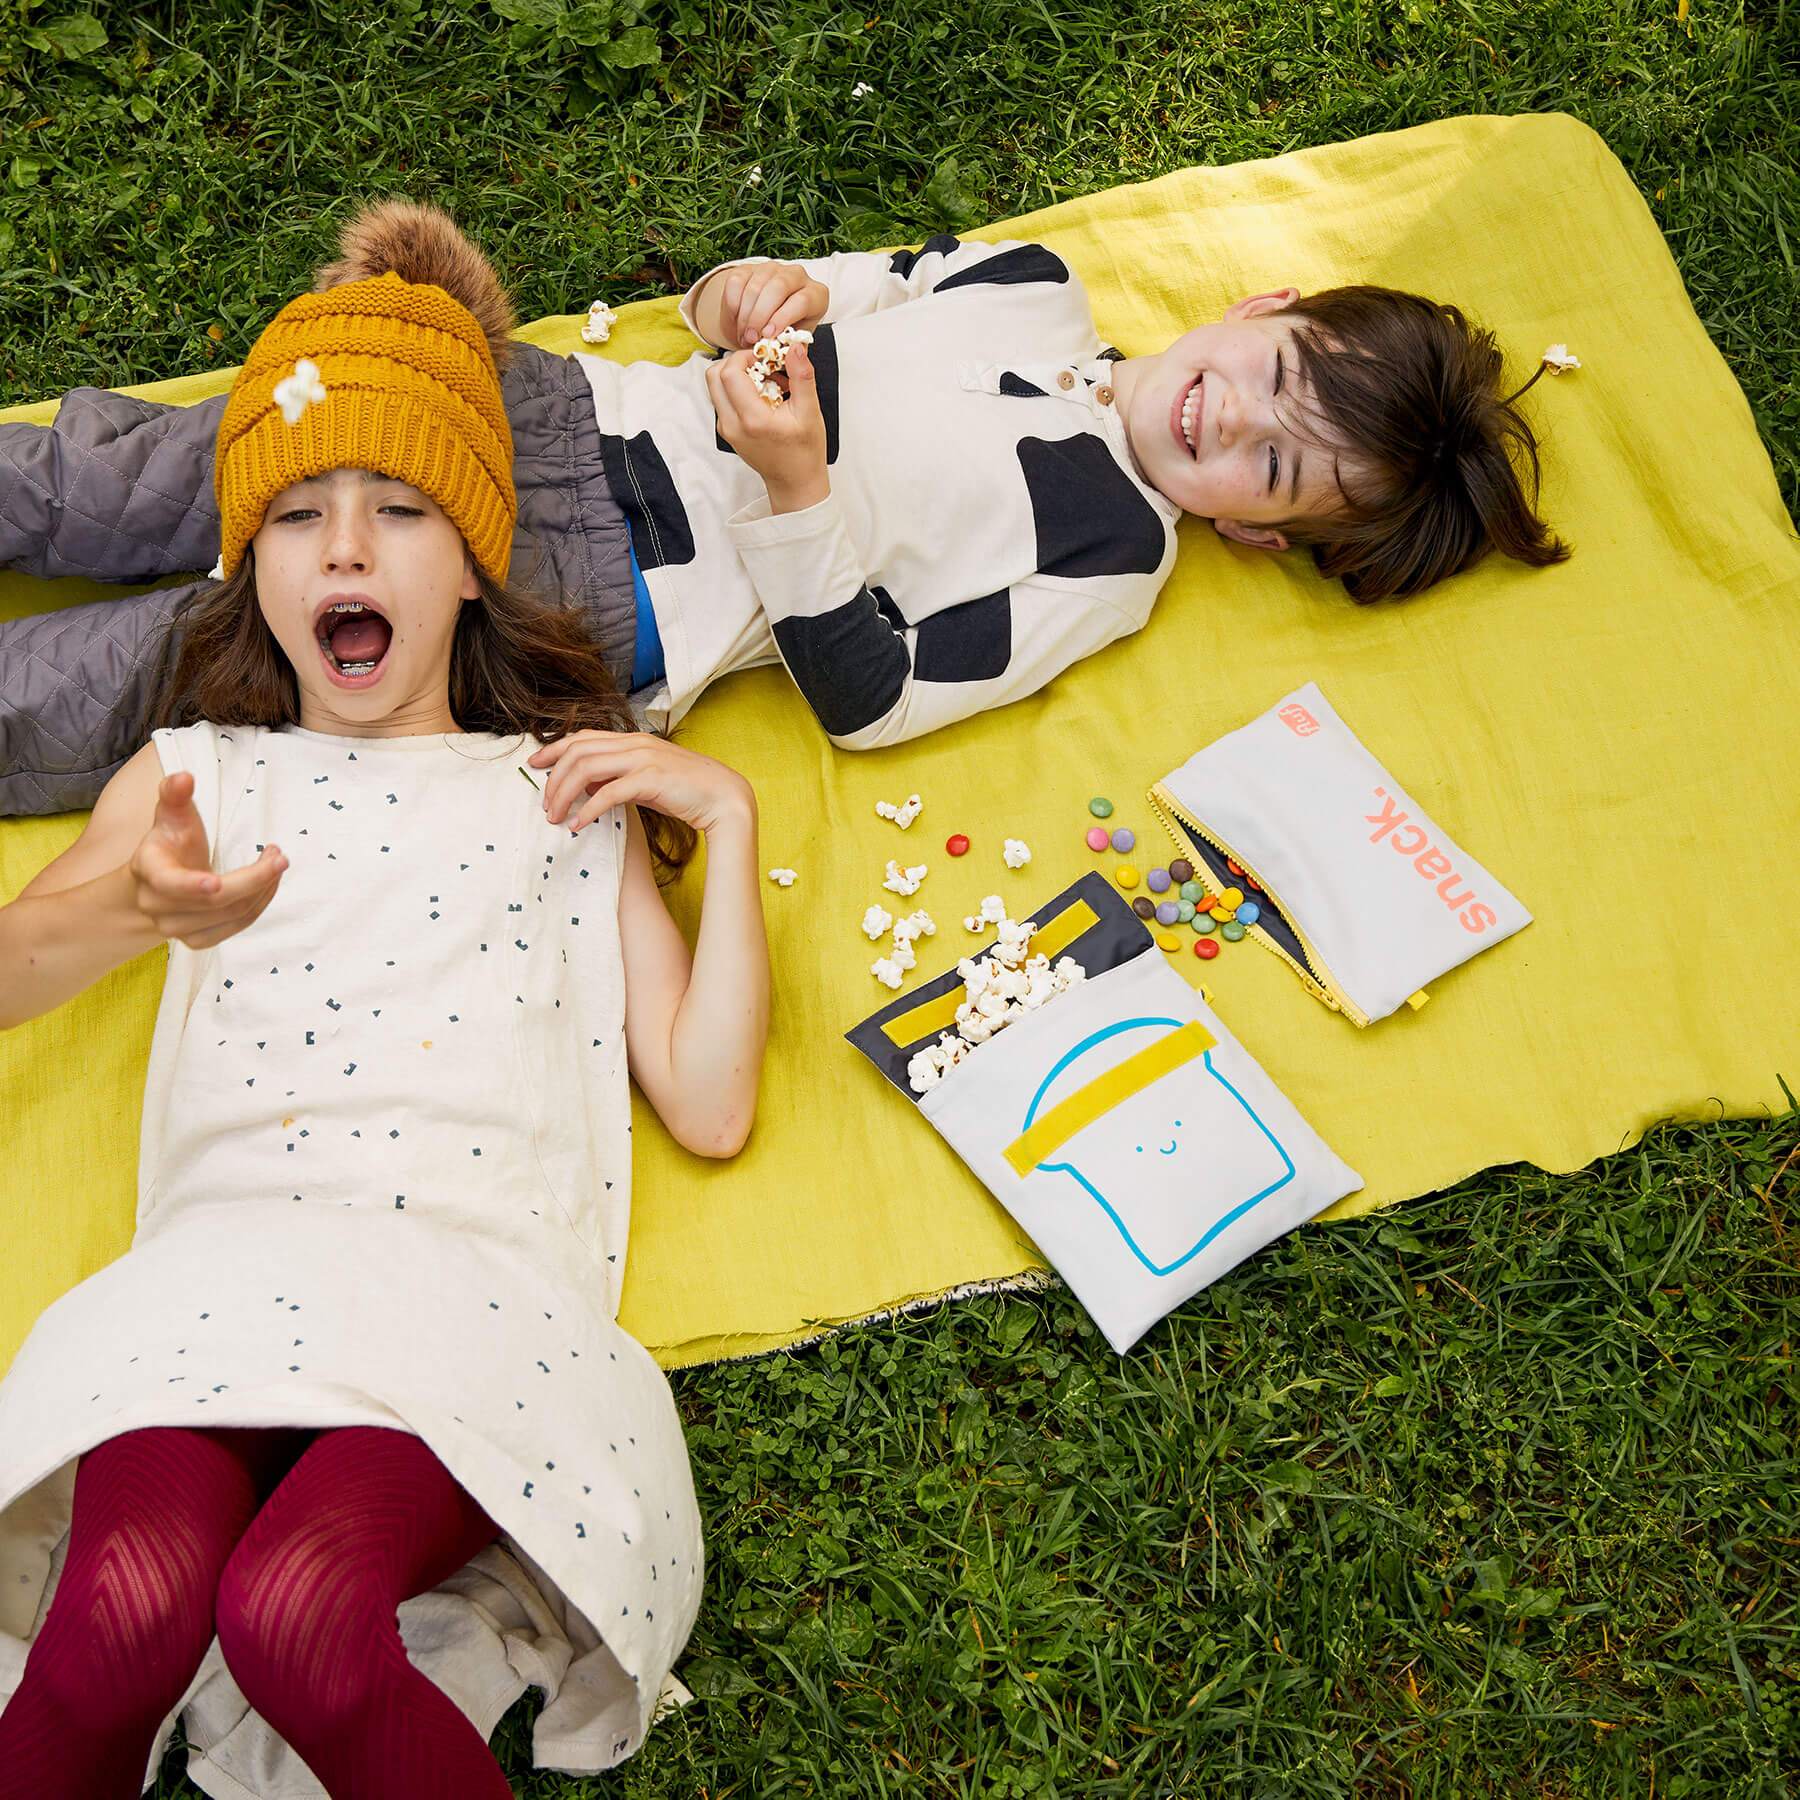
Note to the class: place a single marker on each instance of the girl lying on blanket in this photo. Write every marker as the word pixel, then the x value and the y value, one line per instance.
pixel 966 490
pixel 364 1344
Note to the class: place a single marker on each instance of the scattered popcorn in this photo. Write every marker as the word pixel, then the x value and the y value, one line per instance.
pixel 782 877
pixel 918 924
pixel 904 881
pixel 1558 357
pixel 754 178
pixel 768 358
pixel 1017 853
pixel 299 390
pixel 998 987
pixel 902 815
pixel 600 321
pixel 217 571
pixel 905 956
pixel 875 921
pixel 861 88
pixel 886 971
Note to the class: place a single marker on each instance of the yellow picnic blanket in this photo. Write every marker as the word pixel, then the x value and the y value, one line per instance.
pixel 1614 738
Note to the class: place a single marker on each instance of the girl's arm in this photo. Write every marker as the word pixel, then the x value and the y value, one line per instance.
pixel 695 1025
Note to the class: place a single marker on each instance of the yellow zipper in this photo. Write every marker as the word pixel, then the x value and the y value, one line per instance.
pixel 1323 988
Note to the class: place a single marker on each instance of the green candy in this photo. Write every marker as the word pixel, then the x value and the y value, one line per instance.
pixel 1100 807
pixel 1203 923
pixel 1192 892
pixel 1231 931
pixel 1184 910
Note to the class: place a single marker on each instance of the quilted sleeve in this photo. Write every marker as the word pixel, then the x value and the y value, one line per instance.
pixel 76 691
pixel 114 489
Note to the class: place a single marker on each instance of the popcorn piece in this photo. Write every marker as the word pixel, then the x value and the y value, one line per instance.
pixel 299 390
pixel 1558 357
pixel 914 925
pixel 886 971
pixel 904 956
pixel 902 815
pixel 600 320
pixel 1017 853
pixel 782 877
pixel 903 881
pixel 876 920
pixel 974 924
pixel 769 356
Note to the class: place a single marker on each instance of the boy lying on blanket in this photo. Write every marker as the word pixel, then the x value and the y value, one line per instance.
pixel 964 490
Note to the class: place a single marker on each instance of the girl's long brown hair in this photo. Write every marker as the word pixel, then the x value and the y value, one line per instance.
pixel 518 663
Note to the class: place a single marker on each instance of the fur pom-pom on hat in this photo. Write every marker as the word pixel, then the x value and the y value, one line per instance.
pixel 421 243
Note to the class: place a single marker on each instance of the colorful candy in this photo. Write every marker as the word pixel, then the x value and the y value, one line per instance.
pixel 1100 807
pixel 1206 948
pixel 1249 912
pixel 1125 875
pixel 1123 839
pixel 1184 910
pixel 1166 941
pixel 1157 881
pixel 1098 838
pixel 957 845
pixel 1231 931
pixel 1233 897
pixel 1203 923
pixel 1142 907
pixel 1181 869
pixel 1191 890
pixel 1168 913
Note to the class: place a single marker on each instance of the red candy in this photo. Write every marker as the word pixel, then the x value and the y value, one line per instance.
pixel 957 845
pixel 1206 948
pixel 1233 867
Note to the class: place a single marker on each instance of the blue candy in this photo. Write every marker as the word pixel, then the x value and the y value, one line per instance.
pixel 1249 913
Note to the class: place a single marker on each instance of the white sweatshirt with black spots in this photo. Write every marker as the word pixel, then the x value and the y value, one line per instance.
pixel 986 524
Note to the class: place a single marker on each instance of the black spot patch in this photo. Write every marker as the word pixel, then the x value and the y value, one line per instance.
pixel 1017 267
pixel 661 536
pixel 1091 519
pixel 847 662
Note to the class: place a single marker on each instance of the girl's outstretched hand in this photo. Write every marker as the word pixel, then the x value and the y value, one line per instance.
pixel 762 299
pixel 174 886
pixel 593 771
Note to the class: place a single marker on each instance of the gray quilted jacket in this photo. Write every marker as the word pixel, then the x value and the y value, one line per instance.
pixel 121 489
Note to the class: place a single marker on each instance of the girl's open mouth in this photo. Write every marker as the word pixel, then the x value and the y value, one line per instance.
pixel 354 646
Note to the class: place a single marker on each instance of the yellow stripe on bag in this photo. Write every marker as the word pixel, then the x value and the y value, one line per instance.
pixel 1052 937
pixel 1054 1128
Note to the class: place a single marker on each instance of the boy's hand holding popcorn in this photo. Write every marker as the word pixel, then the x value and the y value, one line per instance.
pixel 758 301
pixel 785 443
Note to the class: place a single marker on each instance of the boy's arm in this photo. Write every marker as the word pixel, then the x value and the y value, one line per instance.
pixel 114 489
pixel 866 281
pixel 871 678
pixel 77 687
pixel 76 920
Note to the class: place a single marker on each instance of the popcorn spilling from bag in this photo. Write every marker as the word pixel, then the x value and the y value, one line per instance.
pixel 902 815
pixel 600 321
pixel 768 357
pixel 904 881
pixel 997 989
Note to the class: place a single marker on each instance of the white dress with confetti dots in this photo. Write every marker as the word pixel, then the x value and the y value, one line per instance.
pixel 385 1180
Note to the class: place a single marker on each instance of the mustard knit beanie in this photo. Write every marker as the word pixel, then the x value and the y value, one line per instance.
pixel 399 379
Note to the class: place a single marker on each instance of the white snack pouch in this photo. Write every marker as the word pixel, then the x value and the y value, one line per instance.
pixel 1134 1139
pixel 1362 894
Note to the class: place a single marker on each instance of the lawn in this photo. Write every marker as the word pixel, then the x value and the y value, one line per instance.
pixel 1496 1492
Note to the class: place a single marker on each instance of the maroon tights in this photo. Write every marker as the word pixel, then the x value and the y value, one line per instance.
pixel 297 1554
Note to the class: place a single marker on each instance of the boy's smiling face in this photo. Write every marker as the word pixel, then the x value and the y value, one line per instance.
pixel 1246 467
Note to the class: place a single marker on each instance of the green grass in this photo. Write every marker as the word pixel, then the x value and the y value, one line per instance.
pixel 1495 1493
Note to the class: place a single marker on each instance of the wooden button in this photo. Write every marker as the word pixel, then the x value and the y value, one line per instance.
pixel 1065 379
pixel 1103 394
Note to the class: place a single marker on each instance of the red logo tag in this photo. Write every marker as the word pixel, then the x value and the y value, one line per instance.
pixel 1298 720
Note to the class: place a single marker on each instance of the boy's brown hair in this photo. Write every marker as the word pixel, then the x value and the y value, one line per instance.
pixel 1408 391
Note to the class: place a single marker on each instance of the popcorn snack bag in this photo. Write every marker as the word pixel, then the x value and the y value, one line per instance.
pixel 1362 895
pixel 1114 1116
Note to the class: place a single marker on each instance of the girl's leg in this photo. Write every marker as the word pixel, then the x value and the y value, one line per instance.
pixel 155 1514
pixel 366 1518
